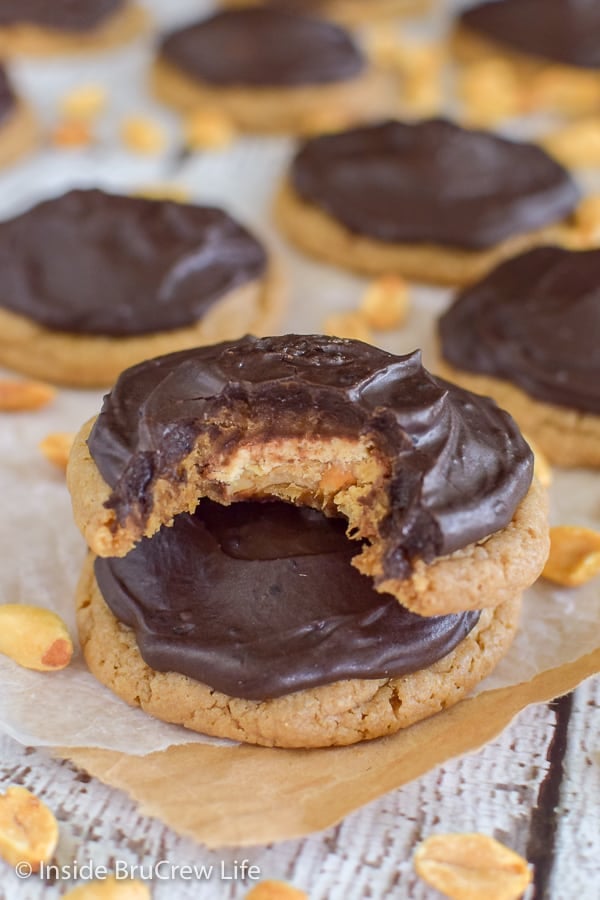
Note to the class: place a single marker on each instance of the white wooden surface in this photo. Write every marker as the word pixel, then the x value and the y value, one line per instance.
pixel 495 791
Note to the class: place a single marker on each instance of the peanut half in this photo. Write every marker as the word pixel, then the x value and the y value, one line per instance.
pixel 385 303
pixel 275 890
pixel 28 830
pixel 471 867
pixel 35 638
pixel 110 889
pixel 57 446
pixel 574 555
pixel 23 396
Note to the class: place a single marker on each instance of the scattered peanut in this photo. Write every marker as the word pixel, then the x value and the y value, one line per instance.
pixel 471 866
pixel 275 890
pixel 33 637
pixel 110 889
pixel 72 133
pixel 576 145
pixel 143 135
pixel 541 467
pixel 57 446
pixel 348 325
pixel 84 102
pixel 28 830
pixel 385 303
pixel 490 92
pixel 574 555
pixel 175 192
pixel 208 129
pixel 24 396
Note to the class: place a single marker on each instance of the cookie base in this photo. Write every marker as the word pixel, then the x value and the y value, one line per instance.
pixel 86 361
pixel 332 715
pixel 347 12
pixel 24 39
pixel 320 235
pixel 567 437
pixel 276 110
pixel 577 91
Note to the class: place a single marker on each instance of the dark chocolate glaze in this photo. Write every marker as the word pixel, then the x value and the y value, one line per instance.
pixel 564 31
pixel 534 321
pixel 459 464
pixel 258 600
pixel 261 47
pixel 94 263
pixel 61 15
pixel 432 182
pixel 8 100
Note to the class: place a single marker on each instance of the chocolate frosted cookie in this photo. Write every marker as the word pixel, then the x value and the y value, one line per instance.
pixel 553 44
pixel 268 69
pixel 434 481
pixel 350 12
pixel 528 336
pixel 95 282
pixel 39 27
pixel 349 538
pixel 563 31
pixel 18 129
pixel 431 200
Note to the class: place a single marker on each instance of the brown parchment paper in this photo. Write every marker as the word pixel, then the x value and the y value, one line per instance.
pixel 243 795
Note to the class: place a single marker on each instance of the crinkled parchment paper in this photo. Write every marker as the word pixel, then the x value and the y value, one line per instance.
pixel 293 792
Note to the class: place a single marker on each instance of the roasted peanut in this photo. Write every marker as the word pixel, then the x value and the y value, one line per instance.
pixel 574 555
pixel 28 830
pixel 348 325
pixel 110 889
pixel 576 145
pixel 143 135
pixel 490 92
pixel 33 637
pixel 587 220
pixel 541 466
pixel 471 867
pixel 208 129
pixel 83 102
pixel 24 396
pixel 275 890
pixel 385 303
pixel 72 133
pixel 57 446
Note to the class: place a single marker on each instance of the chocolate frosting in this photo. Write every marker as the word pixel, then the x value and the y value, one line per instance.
pixel 62 15
pixel 459 464
pixel 432 182
pixel 564 31
pixel 94 263
pixel 8 100
pixel 261 47
pixel 258 600
pixel 534 321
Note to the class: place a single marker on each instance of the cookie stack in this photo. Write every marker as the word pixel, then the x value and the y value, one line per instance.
pixel 300 541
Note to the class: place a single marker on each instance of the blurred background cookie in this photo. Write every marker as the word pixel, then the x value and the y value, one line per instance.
pixel 42 28
pixel 93 283
pixel 527 335
pixel 269 70
pixel 18 128
pixel 430 200
pixel 348 11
